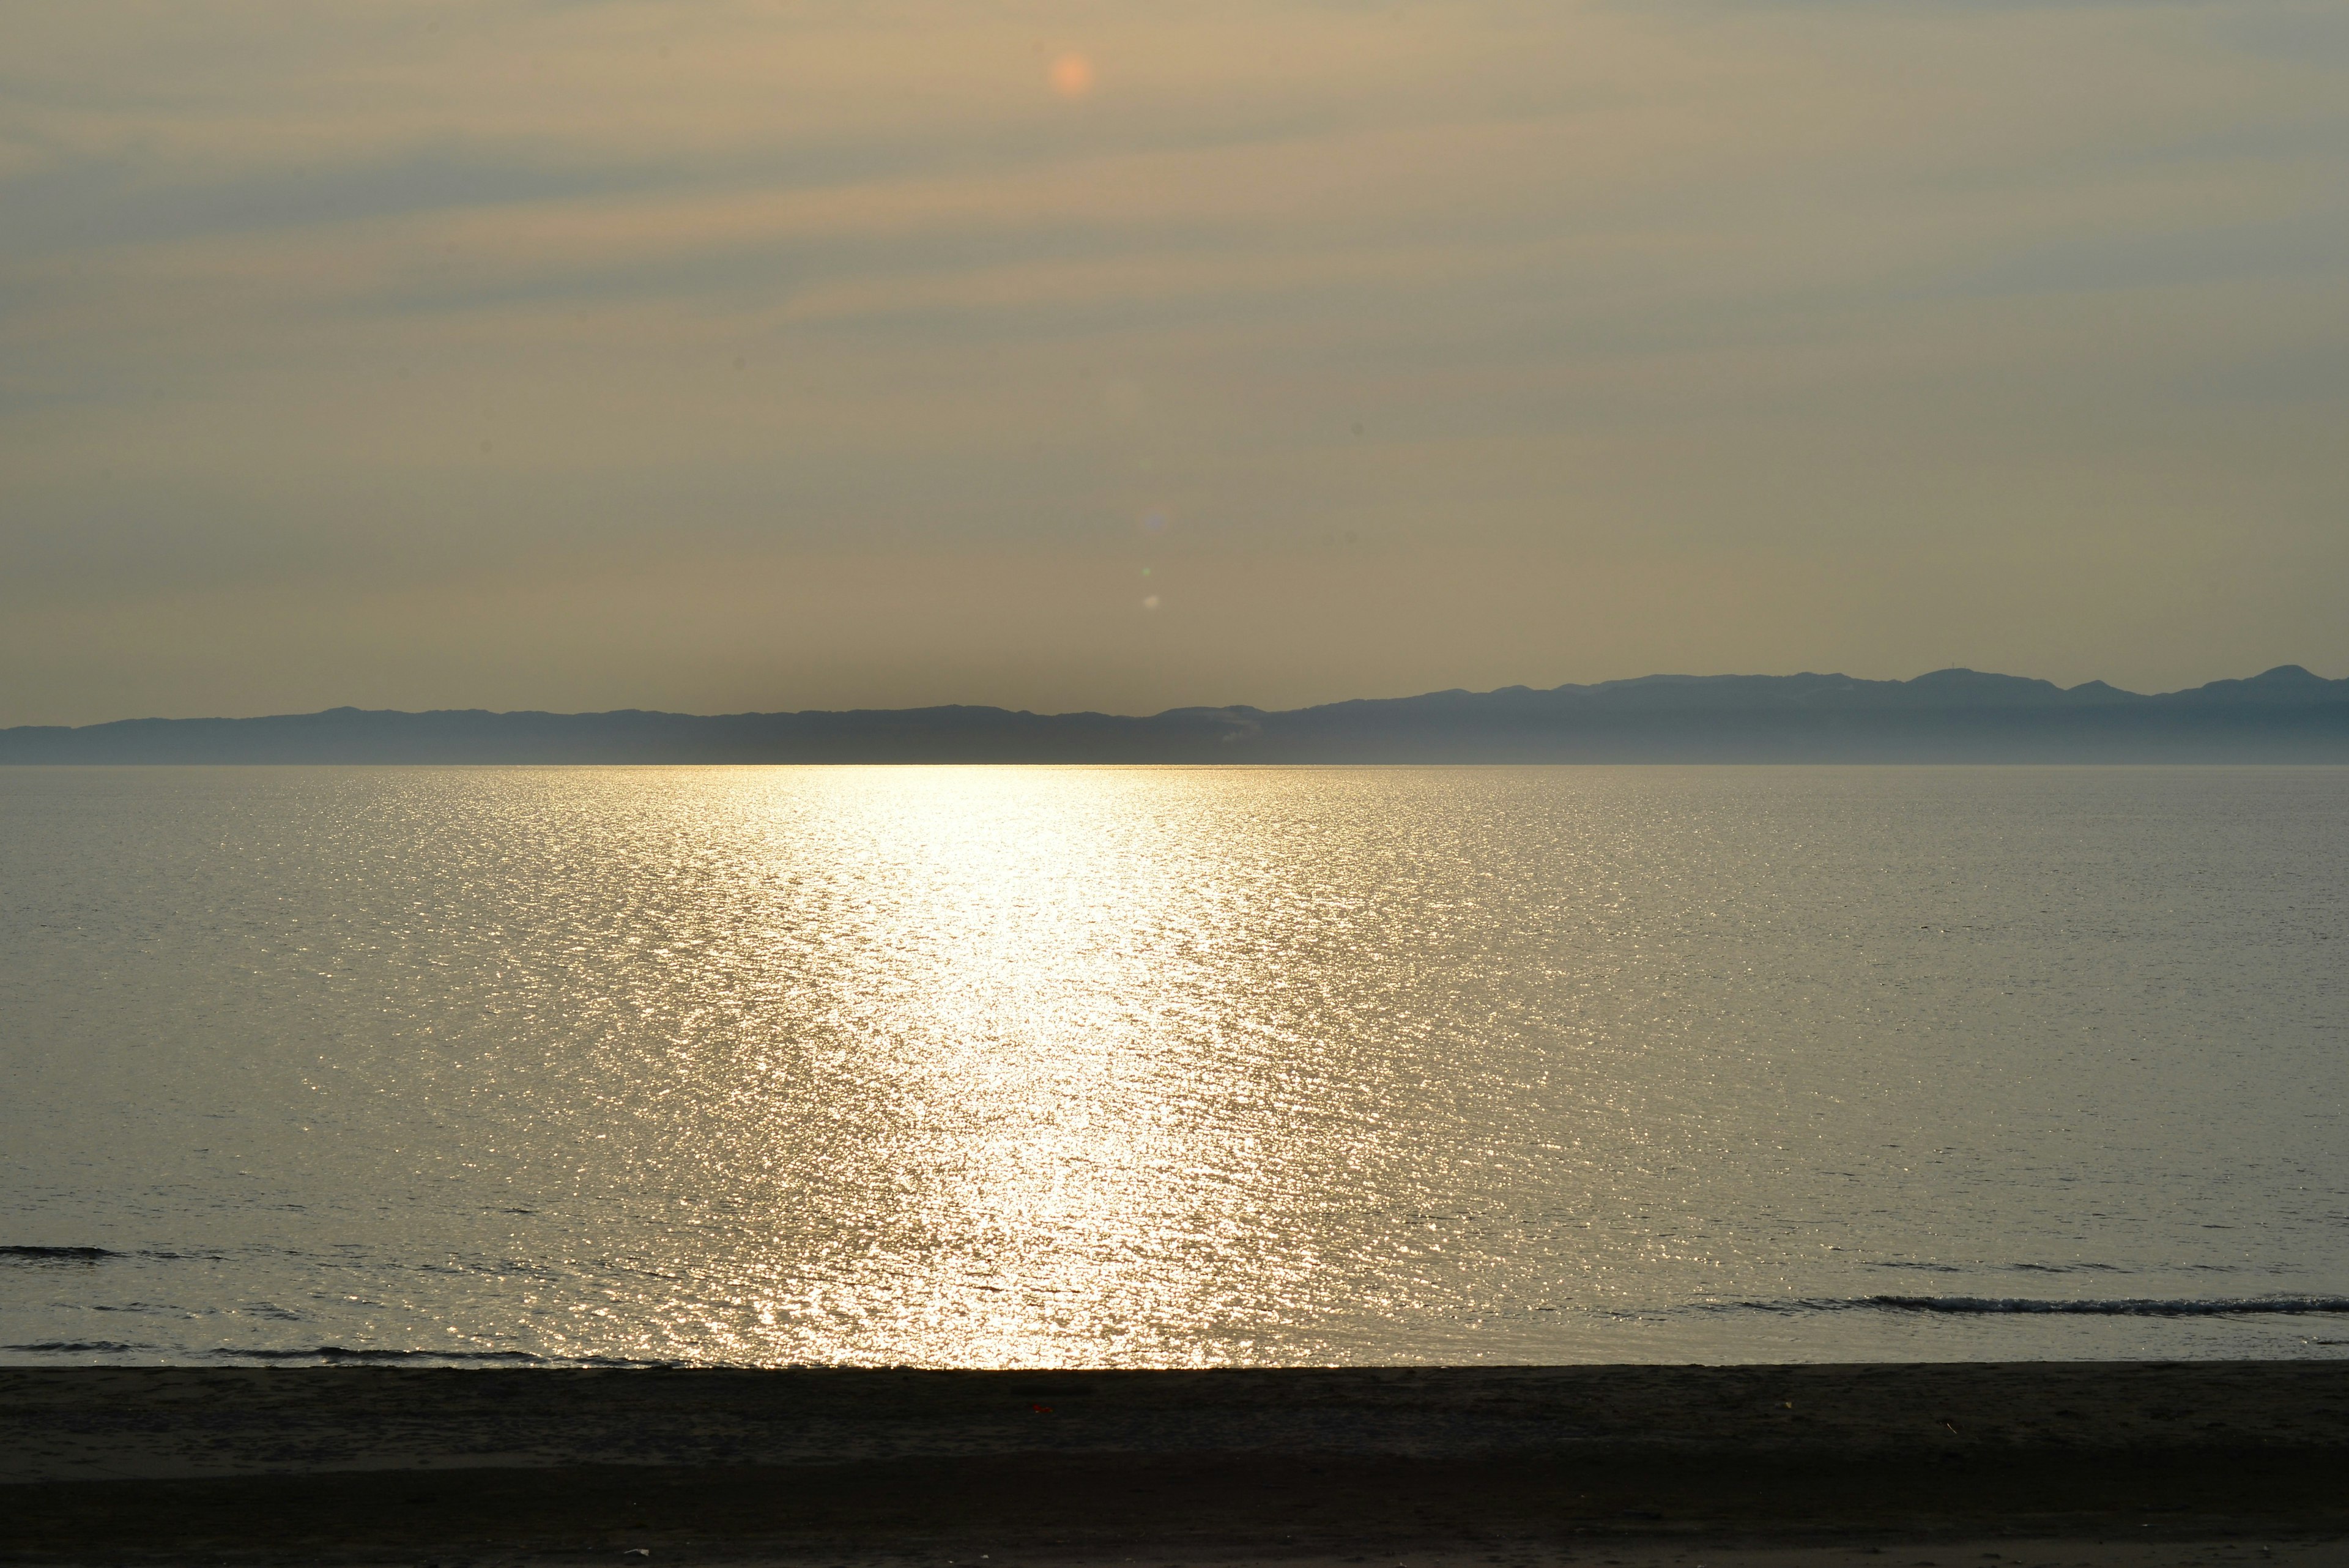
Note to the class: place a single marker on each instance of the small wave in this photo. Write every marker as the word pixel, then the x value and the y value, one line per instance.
pixel 344 1352
pixel 2288 1306
pixel 2067 1269
pixel 1919 1268
pixel 1925 1268
pixel 1994 1307
pixel 339 1354
pixel 58 1254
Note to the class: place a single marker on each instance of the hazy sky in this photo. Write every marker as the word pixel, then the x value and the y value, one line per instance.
pixel 711 355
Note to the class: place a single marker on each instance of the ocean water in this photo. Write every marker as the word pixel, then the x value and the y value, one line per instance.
pixel 1093 1066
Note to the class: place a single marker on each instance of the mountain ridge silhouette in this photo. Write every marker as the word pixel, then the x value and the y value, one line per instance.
pixel 2283 714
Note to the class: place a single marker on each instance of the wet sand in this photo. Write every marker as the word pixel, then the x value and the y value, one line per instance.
pixel 1973 1466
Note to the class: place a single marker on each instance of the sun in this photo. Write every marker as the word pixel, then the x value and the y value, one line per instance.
pixel 1071 75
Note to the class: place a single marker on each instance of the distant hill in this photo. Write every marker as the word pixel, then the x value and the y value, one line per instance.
pixel 1950 715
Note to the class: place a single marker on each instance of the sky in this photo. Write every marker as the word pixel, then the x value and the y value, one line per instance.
pixel 724 354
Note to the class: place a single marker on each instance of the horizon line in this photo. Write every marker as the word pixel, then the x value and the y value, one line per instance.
pixel 2283 670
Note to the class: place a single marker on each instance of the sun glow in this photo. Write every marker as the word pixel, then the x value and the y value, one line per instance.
pixel 1071 75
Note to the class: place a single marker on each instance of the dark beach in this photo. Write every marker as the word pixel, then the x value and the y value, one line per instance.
pixel 2020 1463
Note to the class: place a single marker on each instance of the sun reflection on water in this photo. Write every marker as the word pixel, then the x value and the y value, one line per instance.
pixel 1030 1049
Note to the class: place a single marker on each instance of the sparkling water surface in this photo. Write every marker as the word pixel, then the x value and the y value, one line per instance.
pixel 987 1066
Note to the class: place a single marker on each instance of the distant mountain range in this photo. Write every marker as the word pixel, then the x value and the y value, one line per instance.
pixel 1950 715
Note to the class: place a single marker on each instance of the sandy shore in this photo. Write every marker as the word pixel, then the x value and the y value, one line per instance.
pixel 1976 1466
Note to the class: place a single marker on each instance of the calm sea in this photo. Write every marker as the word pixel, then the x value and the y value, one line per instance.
pixel 1002 1065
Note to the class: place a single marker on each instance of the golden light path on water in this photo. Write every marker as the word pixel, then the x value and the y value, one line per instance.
pixel 1035 1066
pixel 1069 1103
pixel 1031 1065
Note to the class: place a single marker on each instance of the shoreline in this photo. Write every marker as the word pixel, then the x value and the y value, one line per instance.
pixel 1465 1464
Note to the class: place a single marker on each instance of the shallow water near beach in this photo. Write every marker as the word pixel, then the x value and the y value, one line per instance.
pixel 991 1066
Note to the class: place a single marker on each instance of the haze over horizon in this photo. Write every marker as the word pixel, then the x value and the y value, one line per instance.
pixel 2299 670
pixel 717 357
